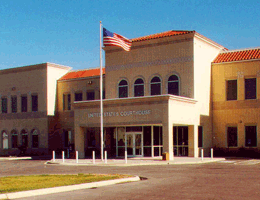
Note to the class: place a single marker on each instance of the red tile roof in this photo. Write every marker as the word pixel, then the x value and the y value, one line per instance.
pixel 82 74
pixel 161 35
pixel 238 55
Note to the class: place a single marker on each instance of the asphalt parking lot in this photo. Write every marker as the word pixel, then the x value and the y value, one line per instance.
pixel 230 179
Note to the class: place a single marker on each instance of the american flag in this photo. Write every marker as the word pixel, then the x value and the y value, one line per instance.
pixel 113 39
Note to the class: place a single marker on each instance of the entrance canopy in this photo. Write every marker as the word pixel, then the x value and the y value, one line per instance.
pixel 163 110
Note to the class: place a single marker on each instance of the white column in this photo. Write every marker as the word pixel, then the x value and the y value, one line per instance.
pixel 80 141
pixel 193 141
pixel 168 139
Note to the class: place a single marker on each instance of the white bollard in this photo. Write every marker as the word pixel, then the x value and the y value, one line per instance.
pixel 63 159
pixel 77 157
pixel 106 157
pixel 202 154
pixel 93 156
pixel 125 156
pixel 53 156
pixel 211 153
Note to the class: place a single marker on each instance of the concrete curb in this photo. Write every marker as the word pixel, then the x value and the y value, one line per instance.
pixel 15 158
pixel 136 163
pixel 68 188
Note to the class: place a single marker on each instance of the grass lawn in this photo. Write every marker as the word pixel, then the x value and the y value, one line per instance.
pixel 22 183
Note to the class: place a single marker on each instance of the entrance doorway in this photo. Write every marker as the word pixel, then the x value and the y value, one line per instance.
pixel 134 144
pixel 180 140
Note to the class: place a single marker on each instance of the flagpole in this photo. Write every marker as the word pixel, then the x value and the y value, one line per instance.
pixel 101 95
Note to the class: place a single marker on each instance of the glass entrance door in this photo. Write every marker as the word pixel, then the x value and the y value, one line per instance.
pixel 134 144
pixel 180 140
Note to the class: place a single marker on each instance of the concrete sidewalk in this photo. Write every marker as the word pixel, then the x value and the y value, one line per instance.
pixel 134 161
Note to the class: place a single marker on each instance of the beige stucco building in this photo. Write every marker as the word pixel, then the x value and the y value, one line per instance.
pixel 157 97
pixel 235 97
pixel 174 92
pixel 28 98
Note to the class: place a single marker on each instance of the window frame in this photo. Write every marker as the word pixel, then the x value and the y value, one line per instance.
pixel 3 139
pixel 24 140
pixel 154 83
pixel 24 108
pixel 247 92
pixel 14 104
pixel 34 102
pixel 76 96
pixel 66 101
pixel 229 145
pixel 4 105
pixel 252 146
pixel 138 84
pixel 34 132
pixel 227 90
pixel 14 133
pixel 88 95
pixel 178 81
pixel 122 87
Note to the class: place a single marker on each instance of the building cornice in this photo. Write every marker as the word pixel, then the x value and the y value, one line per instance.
pixel 33 67
pixel 133 100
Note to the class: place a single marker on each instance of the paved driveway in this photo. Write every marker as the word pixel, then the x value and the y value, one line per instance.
pixel 239 179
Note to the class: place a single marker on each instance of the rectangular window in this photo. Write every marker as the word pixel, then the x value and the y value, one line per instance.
pixel 66 102
pixel 250 88
pixel 200 136
pixel 231 90
pixel 35 102
pixel 232 136
pixel 78 96
pixel 14 104
pixel 24 103
pixel 250 136
pixel 4 105
pixel 91 95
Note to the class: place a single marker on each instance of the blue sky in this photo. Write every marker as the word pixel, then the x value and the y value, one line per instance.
pixel 66 32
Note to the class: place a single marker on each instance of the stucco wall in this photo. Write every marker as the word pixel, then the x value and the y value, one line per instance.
pixel 240 112
pixel 78 85
pixel 25 81
pixel 162 57
pixel 54 72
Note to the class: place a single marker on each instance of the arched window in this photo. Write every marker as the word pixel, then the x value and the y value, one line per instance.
pixel 173 85
pixel 123 89
pixel 156 86
pixel 139 88
pixel 24 134
pixel 14 139
pixel 35 138
pixel 5 140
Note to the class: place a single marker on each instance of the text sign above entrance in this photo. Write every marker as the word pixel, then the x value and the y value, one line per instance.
pixel 121 114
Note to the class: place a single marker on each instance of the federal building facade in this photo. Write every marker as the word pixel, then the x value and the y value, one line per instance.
pixel 174 92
